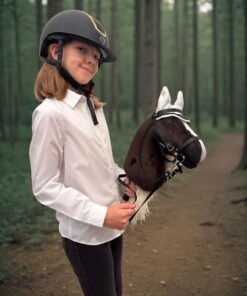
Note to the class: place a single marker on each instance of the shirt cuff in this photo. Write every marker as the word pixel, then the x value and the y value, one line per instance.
pixel 97 215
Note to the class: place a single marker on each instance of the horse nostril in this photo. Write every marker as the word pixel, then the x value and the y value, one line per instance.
pixel 132 161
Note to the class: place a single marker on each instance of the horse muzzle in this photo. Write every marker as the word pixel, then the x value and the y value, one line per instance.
pixel 193 155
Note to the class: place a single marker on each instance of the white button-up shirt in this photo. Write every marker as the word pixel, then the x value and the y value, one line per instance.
pixel 72 166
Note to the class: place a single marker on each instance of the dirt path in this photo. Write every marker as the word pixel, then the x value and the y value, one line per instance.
pixel 193 244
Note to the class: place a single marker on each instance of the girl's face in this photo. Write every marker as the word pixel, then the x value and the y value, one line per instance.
pixel 79 59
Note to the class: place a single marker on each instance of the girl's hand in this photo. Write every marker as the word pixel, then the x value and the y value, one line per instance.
pixel 117 216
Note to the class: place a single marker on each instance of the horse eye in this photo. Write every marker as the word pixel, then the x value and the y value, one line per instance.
pixel 168 121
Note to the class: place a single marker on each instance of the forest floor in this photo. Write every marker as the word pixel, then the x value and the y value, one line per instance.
pixel 194 243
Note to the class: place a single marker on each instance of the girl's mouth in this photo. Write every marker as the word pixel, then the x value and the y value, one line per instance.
pixel 89 70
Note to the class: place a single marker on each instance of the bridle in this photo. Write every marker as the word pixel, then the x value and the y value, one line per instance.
pixel 166 148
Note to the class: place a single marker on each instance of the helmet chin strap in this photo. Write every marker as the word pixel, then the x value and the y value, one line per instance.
pixel 86 89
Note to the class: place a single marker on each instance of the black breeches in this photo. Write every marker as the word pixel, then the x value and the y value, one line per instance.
pixel 98 267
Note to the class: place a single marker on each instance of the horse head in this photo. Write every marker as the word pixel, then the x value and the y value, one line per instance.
pixel 162 144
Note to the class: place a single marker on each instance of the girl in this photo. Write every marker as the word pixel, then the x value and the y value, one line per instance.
pixel 73 171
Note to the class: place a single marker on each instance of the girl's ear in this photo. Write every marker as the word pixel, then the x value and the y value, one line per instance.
pixel 53 49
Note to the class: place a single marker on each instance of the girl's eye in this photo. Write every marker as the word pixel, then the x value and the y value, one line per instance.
pixel 82 49
pixel 96 57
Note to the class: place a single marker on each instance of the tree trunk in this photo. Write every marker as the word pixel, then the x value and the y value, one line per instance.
pixel 10 107
pixel 184 52
pixel 231 66
pixel 79 4
pixel 39 25
pixel 2 85
pixel 195 67
pixel 176 47
pixel 54 7
pixel 98 9
pixel 151 79
pixel 215 66
pixel 158 37
pixel 18 96
pixel 224 60
pixel 90 7
pixel 243 162
pixel 114 106
pixel 137 61
pixel 102 72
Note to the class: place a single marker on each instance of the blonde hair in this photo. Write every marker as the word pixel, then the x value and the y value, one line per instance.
pixel 50 84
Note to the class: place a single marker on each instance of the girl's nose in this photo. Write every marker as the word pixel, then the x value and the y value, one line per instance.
pixel 91 58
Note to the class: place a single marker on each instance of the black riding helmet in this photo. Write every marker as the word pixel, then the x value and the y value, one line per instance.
pixel 69 25
pixel 74 24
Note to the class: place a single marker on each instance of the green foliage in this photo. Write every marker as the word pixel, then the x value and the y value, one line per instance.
pixel 4 270
pixel 14 187
pixel 22 218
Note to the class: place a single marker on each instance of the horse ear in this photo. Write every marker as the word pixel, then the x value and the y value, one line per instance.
pixel 164 101
pixel 179 104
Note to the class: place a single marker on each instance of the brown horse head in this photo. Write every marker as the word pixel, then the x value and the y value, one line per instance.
pixel 163 136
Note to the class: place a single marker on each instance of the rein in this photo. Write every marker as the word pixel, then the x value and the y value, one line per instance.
pixel 166 148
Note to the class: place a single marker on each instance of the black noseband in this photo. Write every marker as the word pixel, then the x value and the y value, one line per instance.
pixel 167 147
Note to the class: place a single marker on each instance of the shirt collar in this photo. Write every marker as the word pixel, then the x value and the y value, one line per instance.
pixel 72 98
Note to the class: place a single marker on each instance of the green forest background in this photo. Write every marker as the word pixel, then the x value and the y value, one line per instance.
pixel 196 46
